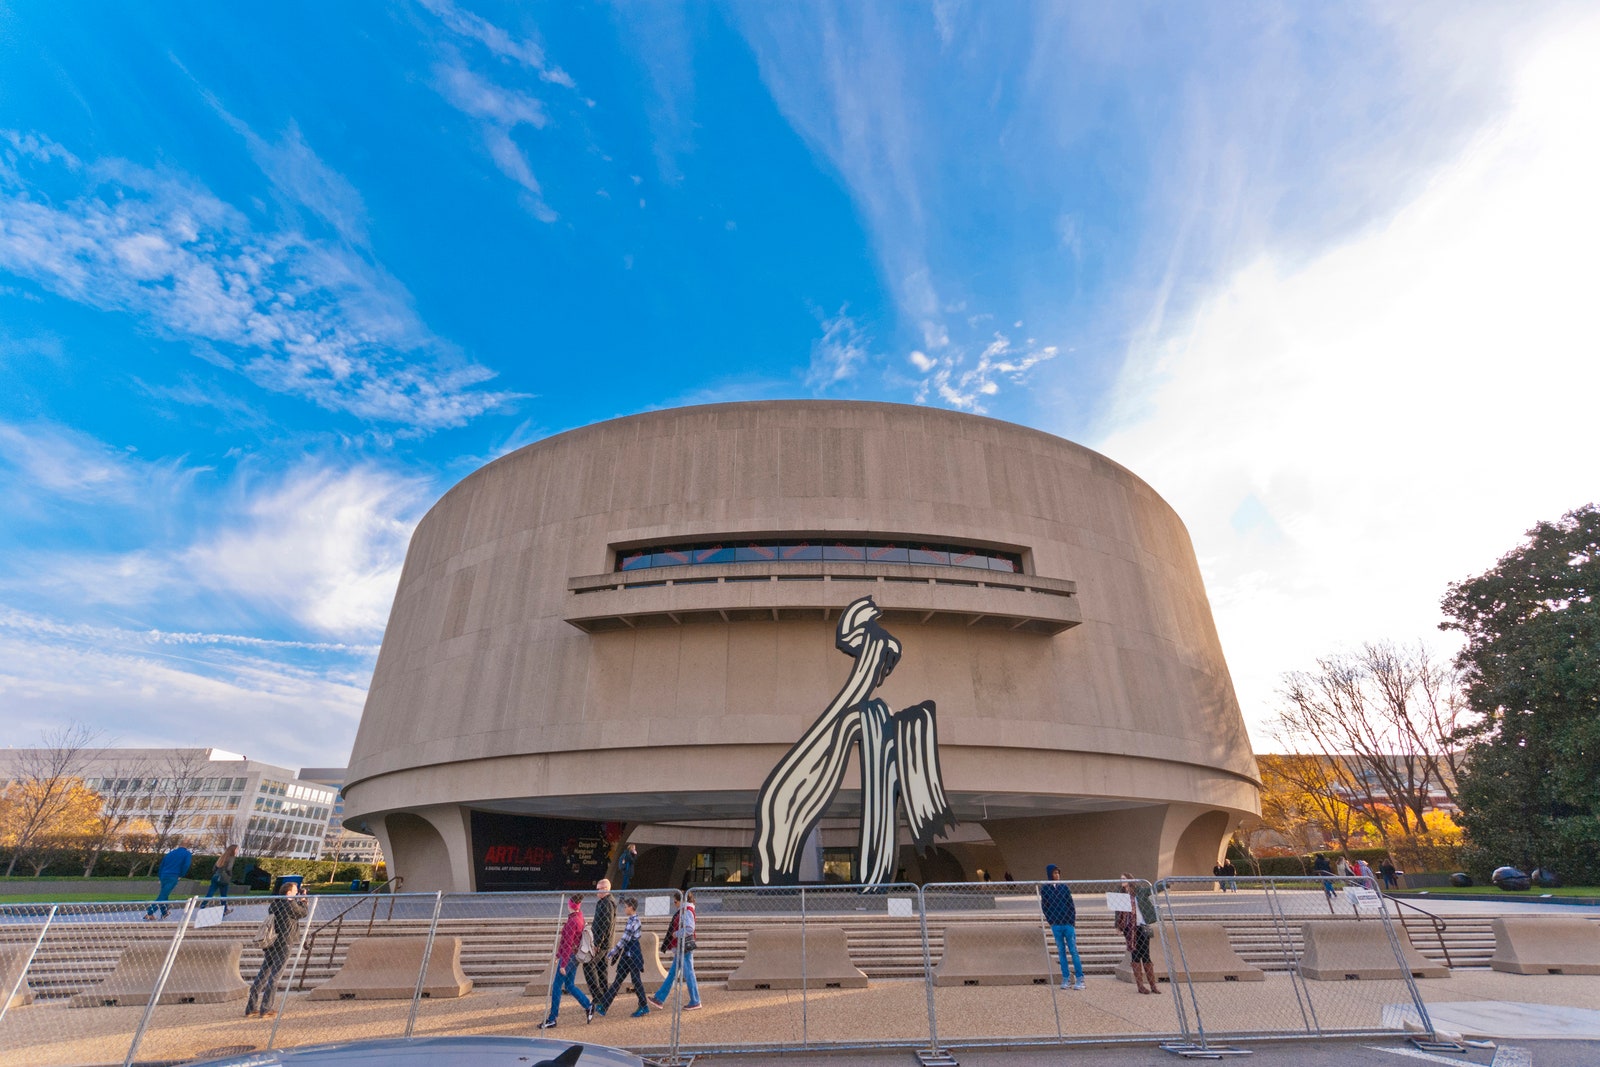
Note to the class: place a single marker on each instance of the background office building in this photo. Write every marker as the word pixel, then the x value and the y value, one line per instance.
pixel 204 797
pixel 341 842
pixel 614 635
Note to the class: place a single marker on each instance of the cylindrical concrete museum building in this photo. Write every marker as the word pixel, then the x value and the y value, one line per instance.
pixel 613 635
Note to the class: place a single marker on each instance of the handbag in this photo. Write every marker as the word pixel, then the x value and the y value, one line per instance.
pixel 585 952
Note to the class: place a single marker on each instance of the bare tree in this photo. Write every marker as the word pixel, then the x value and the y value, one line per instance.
pixel 43 789
pixel 263 842
pixel 1386 721
pixel 120 788
pixel 175 795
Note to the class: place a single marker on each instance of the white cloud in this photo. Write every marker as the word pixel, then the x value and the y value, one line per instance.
pixel 524 50
pixel 499 113
pixel 838 353
pixel 1345 434
pixel 952 380
pixel 323 547
pixel 66 463
pixel 303 317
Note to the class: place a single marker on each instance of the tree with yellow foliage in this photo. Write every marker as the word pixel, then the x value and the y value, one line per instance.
pixel 46 794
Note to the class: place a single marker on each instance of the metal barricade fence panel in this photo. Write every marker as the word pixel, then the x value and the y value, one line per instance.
pixel 744 935
pixel 864 967
pixel 998 975
pixel 354 971
pixel 91 975
pixel 1240 966
pixel 503 945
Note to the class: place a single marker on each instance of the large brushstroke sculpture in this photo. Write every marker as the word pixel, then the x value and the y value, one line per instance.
pixel 899 763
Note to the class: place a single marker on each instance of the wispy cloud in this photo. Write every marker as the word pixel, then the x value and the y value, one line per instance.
pixel 499 111
pixel 66 463
pixel 838 354
pixel 1346 433
pixel 524 50
pixel 295 315
pixel 950 377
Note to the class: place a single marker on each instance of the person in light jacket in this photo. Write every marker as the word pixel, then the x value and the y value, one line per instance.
pixel 681 934
pixel 566 965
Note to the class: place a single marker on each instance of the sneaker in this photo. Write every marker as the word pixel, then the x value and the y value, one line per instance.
pixel 1078 984
pixel 658 1002
pixel 588 1014
pixel 691 1007
pixel 640 1012
pixel 1066 985
pixel 548 1024
pixel 267 1013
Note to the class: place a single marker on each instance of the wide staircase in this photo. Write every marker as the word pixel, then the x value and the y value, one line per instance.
pixel 505 951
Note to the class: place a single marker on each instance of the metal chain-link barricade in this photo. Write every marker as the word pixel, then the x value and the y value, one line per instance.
pixel 492 961
pixel 1287 957
pixel 1003 969
pixel 794 967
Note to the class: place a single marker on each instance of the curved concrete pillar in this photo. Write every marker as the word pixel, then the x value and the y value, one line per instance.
pixel 1199 845
pixel 428 848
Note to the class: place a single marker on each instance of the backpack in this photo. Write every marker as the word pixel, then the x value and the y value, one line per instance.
pixel 585 952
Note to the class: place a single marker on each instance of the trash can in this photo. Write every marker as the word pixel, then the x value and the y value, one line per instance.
pixel 285 879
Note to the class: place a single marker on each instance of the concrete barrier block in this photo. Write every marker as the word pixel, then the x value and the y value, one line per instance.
pixel 785 957
pixel 1207 951
pixel 13 958
pixel 1348 949
pixel 1540 945
pixel 385 968
pixel 204 972
pixel 994 953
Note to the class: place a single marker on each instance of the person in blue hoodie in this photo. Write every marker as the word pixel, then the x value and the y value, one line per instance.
pixel 174 865
pixel 1055 898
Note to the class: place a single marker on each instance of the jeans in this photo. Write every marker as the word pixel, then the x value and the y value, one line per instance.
pixel 563 980
pixel 630 964
pixel 688 979
pixel 167 886
pixel 1067 945
pixel 219 884
pixel 266 979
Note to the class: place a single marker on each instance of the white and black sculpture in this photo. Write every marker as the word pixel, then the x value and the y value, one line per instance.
pixel 899 763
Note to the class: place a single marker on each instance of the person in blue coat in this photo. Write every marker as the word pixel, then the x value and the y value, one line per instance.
pixel 625 864
pixel 1061 913
pixel 174 865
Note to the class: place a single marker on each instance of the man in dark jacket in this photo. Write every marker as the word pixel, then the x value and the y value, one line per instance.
pixel 595 974
pixel 625 864
pixel 1055 899
pixel 174 865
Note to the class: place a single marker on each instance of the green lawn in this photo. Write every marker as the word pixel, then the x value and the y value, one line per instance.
pixel 1489 890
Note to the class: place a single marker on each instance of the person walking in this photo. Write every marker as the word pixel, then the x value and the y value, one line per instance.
pixel 681 936
pixel 1388 870
pixel 629 957
pixel 625 865
pixel 566 965
pixel 1321 866
pixel 596 975
pixel 1061 913
pixel 174 865
pixel 222 876
pixel 283 935
pixel 1230 873
pixel 1135 926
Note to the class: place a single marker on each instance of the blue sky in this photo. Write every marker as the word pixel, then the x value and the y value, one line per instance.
pixel 271 281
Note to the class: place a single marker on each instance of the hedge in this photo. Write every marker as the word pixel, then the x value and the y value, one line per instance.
pixel 1300 866
pixel 70 864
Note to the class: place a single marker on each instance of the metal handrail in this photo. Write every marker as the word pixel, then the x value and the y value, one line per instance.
pixel 337 922
pixel 1438 924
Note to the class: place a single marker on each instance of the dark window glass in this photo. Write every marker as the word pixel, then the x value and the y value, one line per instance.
pixel 755 554
pixel 633 561
pixel 888 554
pixel 800 552
pixel 713 554
pixel 850 553
pixel 997 563
pixel 929 554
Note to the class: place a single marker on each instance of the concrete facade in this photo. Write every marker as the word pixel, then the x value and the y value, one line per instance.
pixel 1085 712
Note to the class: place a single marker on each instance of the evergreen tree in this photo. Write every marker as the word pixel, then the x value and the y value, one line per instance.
pixel 1531 790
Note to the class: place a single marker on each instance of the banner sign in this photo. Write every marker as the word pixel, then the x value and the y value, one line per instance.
pixel 513 853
